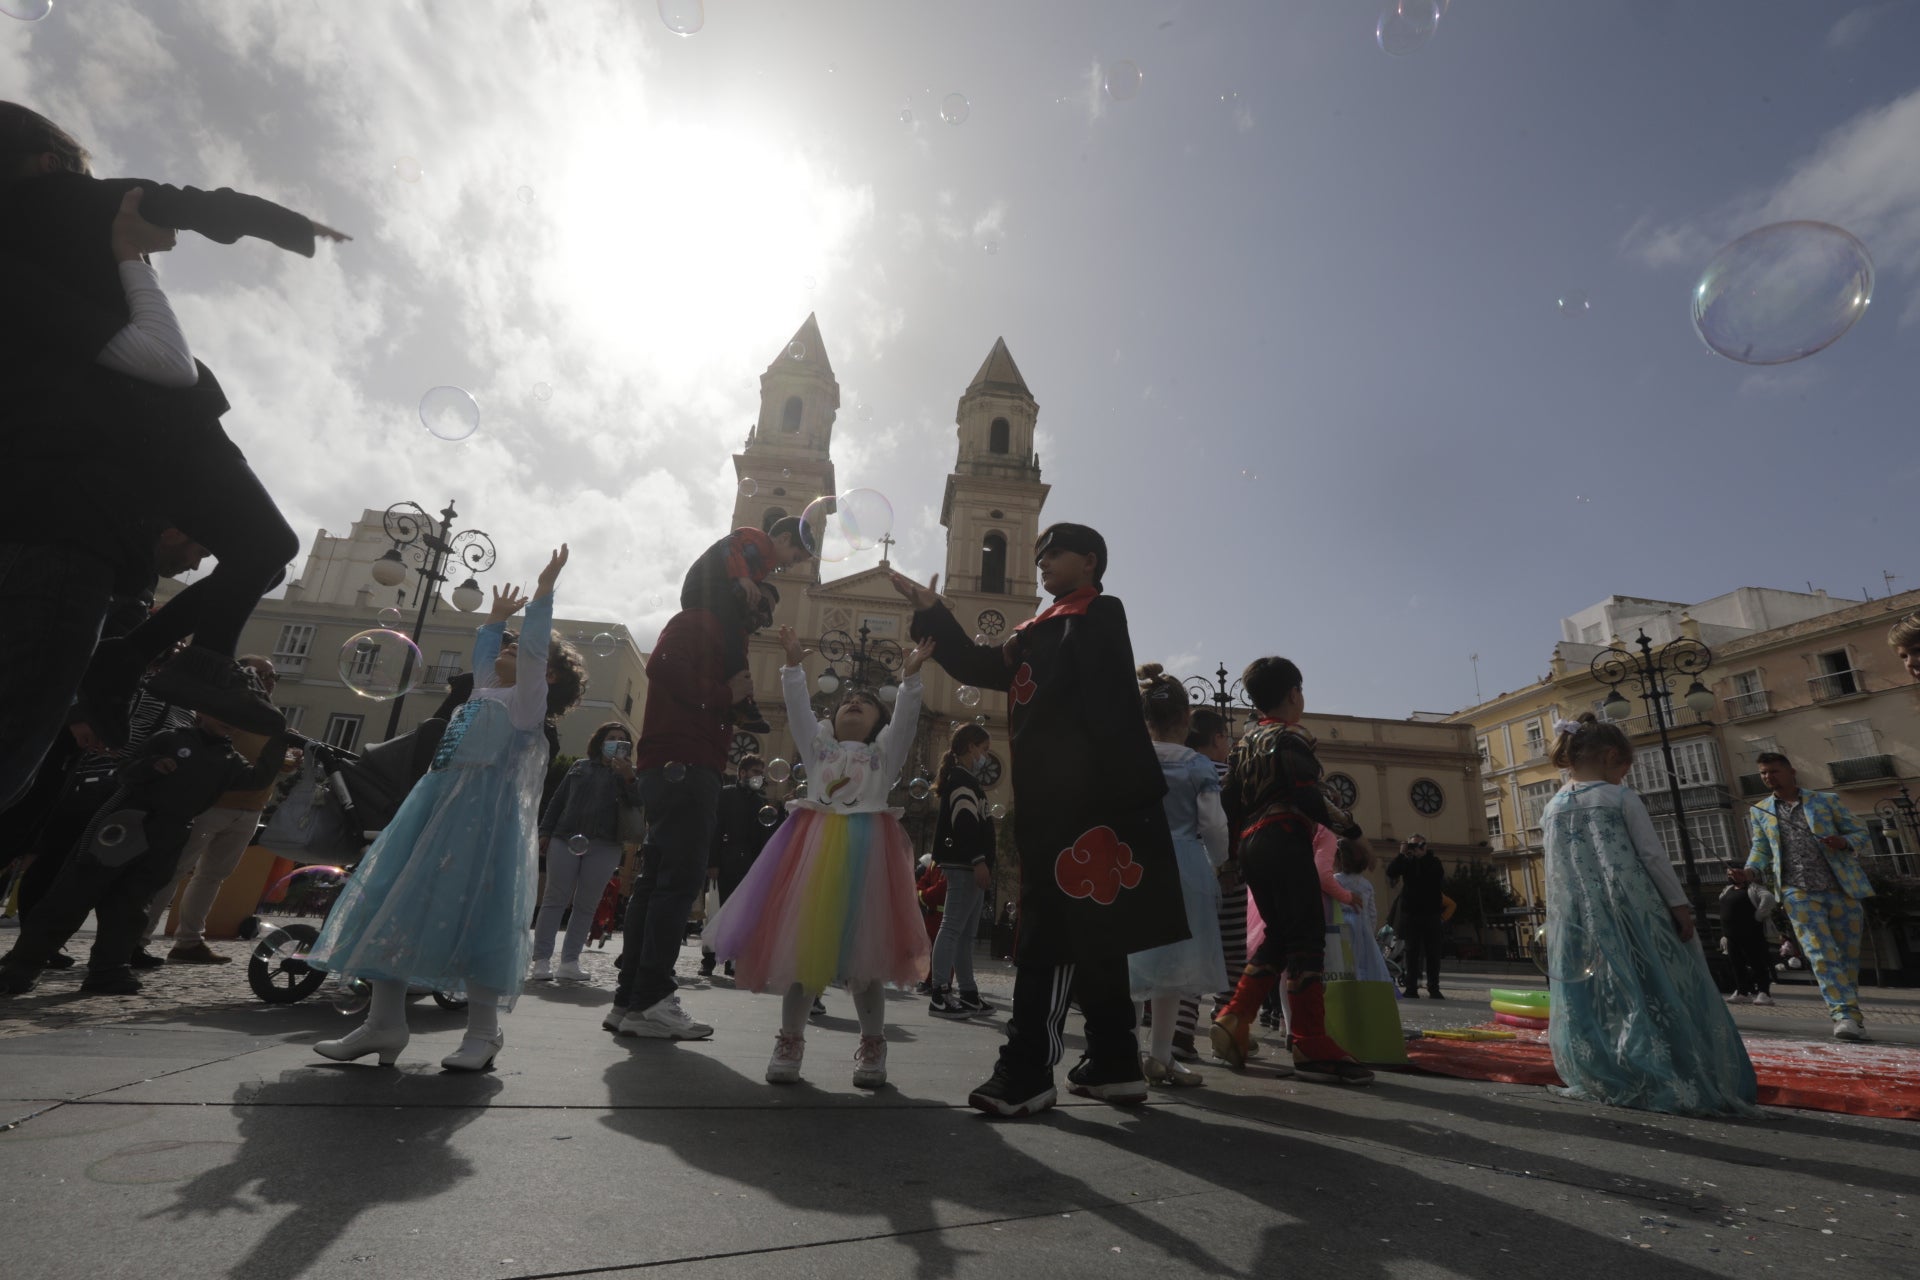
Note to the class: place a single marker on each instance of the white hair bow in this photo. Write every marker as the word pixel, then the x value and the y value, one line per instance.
pixel 1566 726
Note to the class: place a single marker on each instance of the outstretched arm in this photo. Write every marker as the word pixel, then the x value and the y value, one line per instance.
pixel 896 740
pixel 226 215
pixel 984 665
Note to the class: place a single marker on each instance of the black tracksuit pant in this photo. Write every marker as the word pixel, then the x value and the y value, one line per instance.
pixel 1041 992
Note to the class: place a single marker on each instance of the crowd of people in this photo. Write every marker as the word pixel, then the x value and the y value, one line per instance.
pixel 1161 860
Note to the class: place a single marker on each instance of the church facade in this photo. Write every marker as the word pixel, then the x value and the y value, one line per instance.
pixel 855 625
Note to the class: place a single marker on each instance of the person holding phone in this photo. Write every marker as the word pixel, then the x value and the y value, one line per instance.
pixel 581 832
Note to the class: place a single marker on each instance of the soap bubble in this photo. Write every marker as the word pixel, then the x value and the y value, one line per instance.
pixel 388 618
pixel 449 413
pixel 1406 26
pixel 980 720
pixel 768 815
pixel 800 792
pixel 967 695
pixel 543 391
pixel 577 844
pixel 1573 951
pixel 525 194
pixel 779 770
pixel 980 637
pixel 954 108
pixel 683 17
pixel 991 247
pixel 919 788
pixel 998 811
pixel 606 644
pixel 786 473
pixel 1123 81
pixel 797 351
pixel 675 771
pixel 1782 292
pixel 314 879
pixel 749 488
pixel 806 282
pixel 372 664
pixel 1573 303
pixel 407 169
pixel 26 10
pixel 800 772
pixel 833 528
pixel 864 412
pixel 906 115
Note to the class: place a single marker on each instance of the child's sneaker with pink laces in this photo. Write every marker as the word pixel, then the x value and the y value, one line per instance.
pixel 784 1066
pixel 870 1062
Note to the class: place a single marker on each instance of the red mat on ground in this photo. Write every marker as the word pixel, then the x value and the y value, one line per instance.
pixel 1860 1079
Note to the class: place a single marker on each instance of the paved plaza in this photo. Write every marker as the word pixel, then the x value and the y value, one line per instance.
pixel 191 1131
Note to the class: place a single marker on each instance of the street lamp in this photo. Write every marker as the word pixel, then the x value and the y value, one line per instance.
pixel 1223 695
pixel 1653 674
pixel 866 663
pixel 429 548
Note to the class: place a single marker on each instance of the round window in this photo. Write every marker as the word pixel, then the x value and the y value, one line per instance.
pixel 1343 788
pixel 1427 797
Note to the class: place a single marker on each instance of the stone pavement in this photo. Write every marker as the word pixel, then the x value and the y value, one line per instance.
pixel 192 1132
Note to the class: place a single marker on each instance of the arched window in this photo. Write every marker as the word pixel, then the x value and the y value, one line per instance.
pixel 773 516
pixel 999 436
pixel 790 416
pixel 993 564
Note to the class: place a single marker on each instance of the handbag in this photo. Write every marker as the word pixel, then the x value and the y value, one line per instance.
pixel 1363 1017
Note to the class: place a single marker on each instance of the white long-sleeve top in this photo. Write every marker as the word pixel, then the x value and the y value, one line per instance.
pixel 849 777
pixel 152 347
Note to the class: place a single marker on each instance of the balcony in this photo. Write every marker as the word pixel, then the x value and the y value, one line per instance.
pixel 289 664
pixel 1837 684
pixel 1744 706
pixel 440 674
pixel 1861 769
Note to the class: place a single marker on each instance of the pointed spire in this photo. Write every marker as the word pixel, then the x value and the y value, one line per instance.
pixel 811 346
pixel 999 372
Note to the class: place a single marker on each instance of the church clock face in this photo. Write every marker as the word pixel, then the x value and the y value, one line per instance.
pixel 989 771
pixel 992 622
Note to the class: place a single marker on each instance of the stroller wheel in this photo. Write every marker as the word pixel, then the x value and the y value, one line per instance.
pixel 445 1001
pixel 277 971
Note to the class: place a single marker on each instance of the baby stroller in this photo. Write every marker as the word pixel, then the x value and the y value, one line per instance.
pixel 330 810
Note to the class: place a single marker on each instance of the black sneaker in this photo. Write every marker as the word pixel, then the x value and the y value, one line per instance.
pixel 117 981
pixel 1332 1071
pixel 1013 1096
pixel 17 979
pixel 943 1005
pixel 729 969
pixel 707 967
pixel 1118 1081
pixel 819 1009
pixel 974 1005
pixel 746 715
pixel 58 960
pixel 1184 1049
pixel 144 959
pixel 202 680
pixel 1433 994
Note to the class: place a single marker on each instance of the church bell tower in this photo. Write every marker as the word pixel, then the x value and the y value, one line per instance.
pixel 993 498
pixel 787 461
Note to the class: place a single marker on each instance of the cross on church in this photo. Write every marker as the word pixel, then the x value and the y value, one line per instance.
pixel 886 548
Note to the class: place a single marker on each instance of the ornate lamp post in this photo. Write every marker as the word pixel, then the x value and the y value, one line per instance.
pixel 1653 672
pixel 428 549
pixel 1902 814
pixel 865 662
pixel 1223 695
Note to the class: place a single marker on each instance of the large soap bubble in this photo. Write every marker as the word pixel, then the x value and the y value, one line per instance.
pixel 1122 81
pixel 833 528
pixel 1406 26
pixel 954 108
pixel 380 664
pixel 26 10
pixel 449 413
pixel 1782 292
pixel 683 17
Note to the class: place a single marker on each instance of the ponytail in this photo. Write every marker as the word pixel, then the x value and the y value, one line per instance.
pixel 1588 739
pixel 965 738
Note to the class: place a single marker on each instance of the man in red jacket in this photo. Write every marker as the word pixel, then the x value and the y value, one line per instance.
pixel 680 756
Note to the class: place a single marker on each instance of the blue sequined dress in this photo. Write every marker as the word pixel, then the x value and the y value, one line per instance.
pixel 444 896
pixel 1197 965
pixel 1636 1019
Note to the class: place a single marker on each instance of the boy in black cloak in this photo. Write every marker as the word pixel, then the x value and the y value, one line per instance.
pixel 1097 873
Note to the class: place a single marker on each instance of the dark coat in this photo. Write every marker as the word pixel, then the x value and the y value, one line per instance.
pixel 738 833
pixel 1097 872
pixel 963 833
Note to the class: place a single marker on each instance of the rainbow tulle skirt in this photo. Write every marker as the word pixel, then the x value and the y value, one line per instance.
pixel 830 899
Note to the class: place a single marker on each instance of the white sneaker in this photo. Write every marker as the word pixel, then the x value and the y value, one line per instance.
pixel 476 1052
pixel 689 982
pixel 1763 998
pixel 570 971
pixel 784 1066
pixel 1737 998
pixel 542 971
pixel 614 1017
pixel 1849 1029
pixel 664 1020
pixel 870 1062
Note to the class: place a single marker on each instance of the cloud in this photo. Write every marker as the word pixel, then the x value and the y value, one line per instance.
pixel 1782 381
pixel 1861 177
pixel 1853 26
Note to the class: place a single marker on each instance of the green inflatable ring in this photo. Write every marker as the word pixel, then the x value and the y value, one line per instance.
pixel 1540 998
pixel 1520 1010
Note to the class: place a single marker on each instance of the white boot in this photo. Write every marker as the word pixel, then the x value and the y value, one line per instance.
pixel 476 1052
pixel 542 971
pixel 570 971
pixel 366 1039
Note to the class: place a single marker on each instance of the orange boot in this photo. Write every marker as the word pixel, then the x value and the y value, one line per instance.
pixel 1230 1035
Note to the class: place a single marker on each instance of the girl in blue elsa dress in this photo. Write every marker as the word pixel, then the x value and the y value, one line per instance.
pixel 443 897
pixel 1636 1018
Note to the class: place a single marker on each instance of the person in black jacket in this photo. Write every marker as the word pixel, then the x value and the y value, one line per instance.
pixel 963 849
pixel 1422 908
pixel 1097 873
pixel 52 208
pixel 741 830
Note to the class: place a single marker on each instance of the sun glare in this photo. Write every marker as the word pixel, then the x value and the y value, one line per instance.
pixel 683 247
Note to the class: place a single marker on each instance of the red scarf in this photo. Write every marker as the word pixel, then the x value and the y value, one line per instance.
pixel 1072 605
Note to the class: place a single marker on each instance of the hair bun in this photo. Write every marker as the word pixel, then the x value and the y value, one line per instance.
pixel 1150 671
pixel 1587 717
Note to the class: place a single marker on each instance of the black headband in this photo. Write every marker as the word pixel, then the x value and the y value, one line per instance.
pixel 1077 539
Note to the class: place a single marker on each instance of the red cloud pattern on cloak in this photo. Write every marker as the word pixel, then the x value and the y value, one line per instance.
pixel 1098 866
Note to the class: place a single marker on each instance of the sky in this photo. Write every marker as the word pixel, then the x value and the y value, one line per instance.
pixel 1289 309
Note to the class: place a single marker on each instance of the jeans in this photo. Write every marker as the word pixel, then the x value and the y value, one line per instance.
pixel 1424 936
pixel 216 499
pixel 673 872
pixel 215 845
pixel 953 945
pixel 576 880
pixel 53 599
